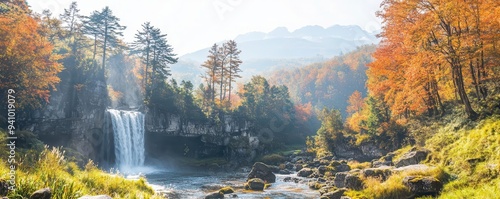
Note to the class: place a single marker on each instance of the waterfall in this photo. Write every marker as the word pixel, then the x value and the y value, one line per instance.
pixel 128 135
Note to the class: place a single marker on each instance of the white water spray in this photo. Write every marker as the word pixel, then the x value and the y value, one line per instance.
pixel 128 134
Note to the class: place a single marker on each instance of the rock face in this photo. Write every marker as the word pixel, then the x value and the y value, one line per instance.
pixel 255 184
pixel 44 193
pixel 234 139
pixel 413 157
pixel 423 186
pixel 262 171
pixel 75 116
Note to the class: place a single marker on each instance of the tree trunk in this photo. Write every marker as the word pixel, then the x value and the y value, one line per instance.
pixel 474 80
pixel 104 47
pixel 461 89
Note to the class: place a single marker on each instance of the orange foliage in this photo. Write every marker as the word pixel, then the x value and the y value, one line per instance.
pixel 356 103
pixel 428 45
pixel 303 112
pixel 26 60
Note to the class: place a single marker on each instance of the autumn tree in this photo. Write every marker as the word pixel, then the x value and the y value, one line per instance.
pixel 27 63
pixel 428 46
pixel 355 102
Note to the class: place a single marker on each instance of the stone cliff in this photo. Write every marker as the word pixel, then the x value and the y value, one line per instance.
pixel 74 118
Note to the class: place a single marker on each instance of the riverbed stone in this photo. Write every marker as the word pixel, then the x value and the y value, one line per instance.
pixel 215 195
pixel 423 186
pixel 298 167
pixel 44 193
pixel 262 171
pixel 305 172
pixel 255 184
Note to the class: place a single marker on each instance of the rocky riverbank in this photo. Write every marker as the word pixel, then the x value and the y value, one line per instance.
pixel 337 178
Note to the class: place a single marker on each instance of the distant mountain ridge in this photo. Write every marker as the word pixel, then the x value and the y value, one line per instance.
pixel 280 48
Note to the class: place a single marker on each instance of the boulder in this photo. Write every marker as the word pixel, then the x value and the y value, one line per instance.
pixel 96 197
pixel 298 167
pixel 262 171
pixel 381 173
pixel 326 189
pixel 305 172
pixel 353 181
pixel 339 180
pixel 342 167
pixel 215 195
pixel 315 185
pixel 413 157
pixel 423 186
pixel 255 184
pixel 322 169
pixel 337 194
pixel 44 193
pixel 226 190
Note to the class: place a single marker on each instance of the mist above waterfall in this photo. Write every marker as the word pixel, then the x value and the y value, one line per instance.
pixel 123 82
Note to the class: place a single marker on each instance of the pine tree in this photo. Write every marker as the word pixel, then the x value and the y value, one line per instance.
pixel 162 56
pixel 143 47
pixel 72 23
pixel 212 66
pixel 233 64
pixel 104 26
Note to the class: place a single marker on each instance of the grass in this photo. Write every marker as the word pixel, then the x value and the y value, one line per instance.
pixel 68 181
pixel 472 155
pixel 393 187
pixel 358 165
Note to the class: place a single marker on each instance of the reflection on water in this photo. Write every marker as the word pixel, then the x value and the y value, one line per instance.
pixel 180 185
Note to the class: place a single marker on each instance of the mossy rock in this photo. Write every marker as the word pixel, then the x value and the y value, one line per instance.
pixel 226 190
pixel 255 184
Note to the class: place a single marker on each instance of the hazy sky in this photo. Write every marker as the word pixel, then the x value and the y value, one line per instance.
pixel 195 24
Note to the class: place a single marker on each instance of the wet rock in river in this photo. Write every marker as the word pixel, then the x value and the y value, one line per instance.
pixel 262 171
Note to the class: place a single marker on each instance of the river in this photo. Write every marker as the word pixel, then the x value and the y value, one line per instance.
pixel 191 185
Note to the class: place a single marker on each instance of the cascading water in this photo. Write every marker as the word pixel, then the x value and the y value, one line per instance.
pixel 128 135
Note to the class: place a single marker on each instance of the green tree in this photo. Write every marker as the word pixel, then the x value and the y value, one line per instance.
pixel 104 27
pixel 72 23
